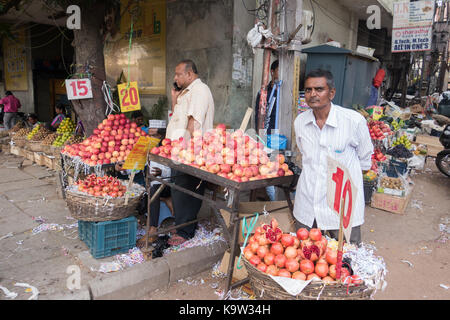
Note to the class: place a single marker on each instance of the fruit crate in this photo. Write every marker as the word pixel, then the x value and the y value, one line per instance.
pixel 108 238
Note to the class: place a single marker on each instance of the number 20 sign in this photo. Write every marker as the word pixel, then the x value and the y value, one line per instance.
pixel 78 89
pixel 341 188
pixel 129 97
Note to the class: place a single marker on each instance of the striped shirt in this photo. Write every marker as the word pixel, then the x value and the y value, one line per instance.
pixel 57 120
pixel 344 137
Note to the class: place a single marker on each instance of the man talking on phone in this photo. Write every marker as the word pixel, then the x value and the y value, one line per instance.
pixel 192 110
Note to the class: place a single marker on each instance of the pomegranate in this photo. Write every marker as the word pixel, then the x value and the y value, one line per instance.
pixel 287 240
pixel 272 232
pixel 331 256
pixel 332 271
pixel 322 246
pixel 312 276
pixel 254 246
pixel 277 248
pixel 302 234
pixel 327 279
pixel 262 251
pixel 309 250
pixel 306 266
pixel 321 269
pixel 292 265
pixel 344 273
pixel 296 242
pixel 262 267
pixel 272 270
pixel 298 275
pixel 284 273
pixel 248 253
pixel 290 252
pixel 255 260
pixel 262 240
pixel 315 234
pixel 356 279
pixel 269 258
pixel 280 260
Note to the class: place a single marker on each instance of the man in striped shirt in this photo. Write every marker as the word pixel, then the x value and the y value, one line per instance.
pixel 329 130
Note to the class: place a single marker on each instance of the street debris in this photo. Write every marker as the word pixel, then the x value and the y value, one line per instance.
pixel 443 286
pixel 8 294
pixel 122 261
pixel 417 204
pixel 6 236
pixel 53 227
pixel 406 261
pixel 29 288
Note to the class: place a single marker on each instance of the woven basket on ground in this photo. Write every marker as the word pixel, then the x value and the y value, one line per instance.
pixel 19 141
pixel 35 146
pixel 90 208
pixel 265 288
pixel 56 151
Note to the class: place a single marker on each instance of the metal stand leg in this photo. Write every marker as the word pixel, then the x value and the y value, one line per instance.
pixel 234 240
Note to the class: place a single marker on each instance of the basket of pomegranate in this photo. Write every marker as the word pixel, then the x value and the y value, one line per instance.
pixel 102 198
pixel 304 258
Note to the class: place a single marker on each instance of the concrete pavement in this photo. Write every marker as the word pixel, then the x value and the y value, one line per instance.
pixel 41 259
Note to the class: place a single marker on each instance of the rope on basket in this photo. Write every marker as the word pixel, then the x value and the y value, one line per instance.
pixel 249 229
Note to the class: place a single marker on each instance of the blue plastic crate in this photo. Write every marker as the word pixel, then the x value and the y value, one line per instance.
pixel 108 238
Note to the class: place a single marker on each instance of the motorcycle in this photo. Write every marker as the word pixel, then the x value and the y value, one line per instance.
pixel 443 157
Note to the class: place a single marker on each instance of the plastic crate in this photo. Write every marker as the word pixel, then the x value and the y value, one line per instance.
pixel 108 238
pixel 395 168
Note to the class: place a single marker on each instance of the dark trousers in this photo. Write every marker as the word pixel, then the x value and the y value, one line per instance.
pixel 155 205
pixel 185 206
pixel 355 237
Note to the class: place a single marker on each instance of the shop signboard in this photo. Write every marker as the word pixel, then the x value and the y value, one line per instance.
pixel 15 62
pixel 412 26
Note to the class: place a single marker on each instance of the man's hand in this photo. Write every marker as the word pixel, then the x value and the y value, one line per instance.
pixel 174 93
pixel 156 171
pixel 119 165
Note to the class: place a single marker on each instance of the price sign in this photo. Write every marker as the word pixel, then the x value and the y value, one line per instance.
pixel 78 89
pixel 341 188
pixel 129 97
pixel 137 158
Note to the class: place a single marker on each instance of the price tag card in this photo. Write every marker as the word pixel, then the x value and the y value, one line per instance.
pixel 137 158
pixel 339 187
pixel 129 97
pixel 78 89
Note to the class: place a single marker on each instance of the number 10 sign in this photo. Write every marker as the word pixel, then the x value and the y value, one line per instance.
pixel 341 191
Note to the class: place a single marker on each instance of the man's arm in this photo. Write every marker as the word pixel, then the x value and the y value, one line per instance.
pixel 365 146
pixel 192 125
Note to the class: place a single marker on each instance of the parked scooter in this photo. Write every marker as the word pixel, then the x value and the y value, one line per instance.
pixel 443 157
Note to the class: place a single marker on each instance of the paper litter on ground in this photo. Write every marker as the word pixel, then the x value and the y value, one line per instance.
pixel 134 256
pixel 8 294
pixel 202 237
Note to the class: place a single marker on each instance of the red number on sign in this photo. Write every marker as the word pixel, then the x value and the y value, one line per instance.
pixel 82 87
pixel 125 102
pixel 74 89
pixel 133 96
pixel 337 178
pixel 347 191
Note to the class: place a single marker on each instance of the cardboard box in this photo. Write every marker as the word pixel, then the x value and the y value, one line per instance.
pixel 283 216
pixel 15 150
pixel 238 274
pixel 390 203
pixel 432 143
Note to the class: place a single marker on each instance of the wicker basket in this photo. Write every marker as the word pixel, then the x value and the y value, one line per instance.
pixel 19 141
pixel 89 208
pixel 35 146
pixel 39 158
pixel 47 149
pixel 55 151
pixel 265 288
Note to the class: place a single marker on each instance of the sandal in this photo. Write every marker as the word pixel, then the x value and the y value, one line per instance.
pixel 176 240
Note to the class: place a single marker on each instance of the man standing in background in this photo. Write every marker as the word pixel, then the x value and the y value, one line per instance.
pixel 10 107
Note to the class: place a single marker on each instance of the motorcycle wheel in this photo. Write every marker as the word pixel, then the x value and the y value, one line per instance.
pixel 443 162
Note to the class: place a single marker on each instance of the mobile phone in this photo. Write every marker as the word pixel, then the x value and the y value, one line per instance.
pixel 177 88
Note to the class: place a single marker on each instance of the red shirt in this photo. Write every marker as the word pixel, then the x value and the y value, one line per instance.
pixel 10 103
pixel 378 80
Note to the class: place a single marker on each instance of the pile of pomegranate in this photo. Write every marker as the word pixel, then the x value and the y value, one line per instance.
pixel 101 186
pixel 302 257
pixel 110 142
pixel 231 155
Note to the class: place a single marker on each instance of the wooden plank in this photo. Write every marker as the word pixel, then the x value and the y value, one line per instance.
pixel 246 118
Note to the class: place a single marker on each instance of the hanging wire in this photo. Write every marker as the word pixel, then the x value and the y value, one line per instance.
pixel 110 105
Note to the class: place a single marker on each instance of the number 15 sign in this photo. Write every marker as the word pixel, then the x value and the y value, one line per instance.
pixel 341 191
pixel 78 89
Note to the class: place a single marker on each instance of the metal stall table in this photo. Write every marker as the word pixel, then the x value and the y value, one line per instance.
pixel 231 204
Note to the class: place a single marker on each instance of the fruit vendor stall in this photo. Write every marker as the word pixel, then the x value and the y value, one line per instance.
pixel 224 161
